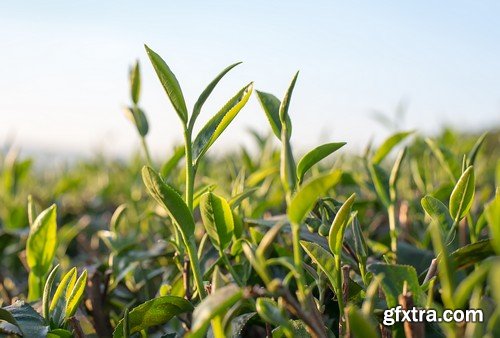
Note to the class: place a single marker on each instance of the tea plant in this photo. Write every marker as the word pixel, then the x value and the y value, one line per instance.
pixel 251 244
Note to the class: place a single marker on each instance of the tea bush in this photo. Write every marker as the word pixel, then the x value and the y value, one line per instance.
pixel 251 244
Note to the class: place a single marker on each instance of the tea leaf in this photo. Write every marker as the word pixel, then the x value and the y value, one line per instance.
pixel 322 258
pixel 466 287
pixel 169 83
pixel 336 235
pixel 76 295
pixel 268 310
pixel 206 93
pixel 283 112
pixel 154 312
pixel 437 211
pixel 492 214
pixel 135 82
pixel 218 123
pixel 360 325
pixel 271 106
pixel 388 145
pixel 215 304
pixel 170 200
pixel 42 242
pixel 475 149
pixel 394 278
pixel 314 156
pixel 304 200
pixel 138 118
pixel 27 319
pixel 462 196
pixel 218 219
pixel 47 290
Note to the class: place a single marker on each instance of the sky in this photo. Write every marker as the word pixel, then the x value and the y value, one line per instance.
pixel 64 68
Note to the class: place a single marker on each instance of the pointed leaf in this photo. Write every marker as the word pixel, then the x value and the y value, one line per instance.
pixel 154 312
pixel 217 219
pixel 138 118
pixel 206 93
pixel 271 105
pixel 463 194
pixel 135 82
pixel 170 84
pixel 283 112
pixel 303 202
pixel 321 257
pixel 170 200
pixel 388 145
pixel 42 242
pixel 336 236
pixel 76 295
pixel 218 123
pixel 316 155
pixel 438 212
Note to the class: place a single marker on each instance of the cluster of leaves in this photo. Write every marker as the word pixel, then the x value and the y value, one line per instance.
pixel 251 245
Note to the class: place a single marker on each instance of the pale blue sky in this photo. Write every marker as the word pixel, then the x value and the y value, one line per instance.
pixel 63 67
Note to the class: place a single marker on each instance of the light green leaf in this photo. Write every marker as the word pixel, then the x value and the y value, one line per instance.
pixel 388 145
pixel 314 156
pixel 283 112
pixel 42 242
pixel 218 123
pixel 463 194
pixel 215 304
pixel 475 149
pixel 135 82
pixel 465 288
pixel 446 267
pixel 206 93
pixel 492 214
pixel 381 183
pixel 336 235
pixel 304 200
pixel 47 292
pixel 154 312
pixel 170 84
pixel 438 212
pixel 76 295
pixel 217 219
pixel 360 325
pixel 170 200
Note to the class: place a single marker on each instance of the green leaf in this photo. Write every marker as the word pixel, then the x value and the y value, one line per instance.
pixel 154 312
pixel 206 93
pixel 388 145
pixel 446 159
pixel 235 201
pixel 465 288
pixel 393 281
pixel 217 219
pixel 238 324
pixel 269 311
pixel 58 303
pixel 288 175
pixel 135 82
pixel 381 183
pixel 170 200
pixel 27 319
pixel 471 254
pixel 218 123
pixel 336 235
pixel 215 304
pixel 283 112
pixel 463 194
pixel 170 84
pixel 303 202
pixel 42 242
pixel 172 162
pixel 316 155
pixel 475 149
pixel 360 325
pixel 76 295
pixel 47 290
pixel 438 212
pixel 138 118
pixel 446 267
pixel 59 333
pixel 492 214
pixel 271 105
pixel 322 258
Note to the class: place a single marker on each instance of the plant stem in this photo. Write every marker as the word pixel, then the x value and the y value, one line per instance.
pixel 146 150
pixel 391 211
pixel 195 266
pixel 338 289
pixel 297 259
pixel 233 273
pixel 190 172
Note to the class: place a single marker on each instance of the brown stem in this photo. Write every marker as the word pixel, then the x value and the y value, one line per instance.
pixel 75 325
pixel 185 278
pixel 432 270
pixel 412 329
pixel 100 317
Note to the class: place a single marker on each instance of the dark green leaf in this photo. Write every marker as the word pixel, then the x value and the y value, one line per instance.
pixel 135 82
